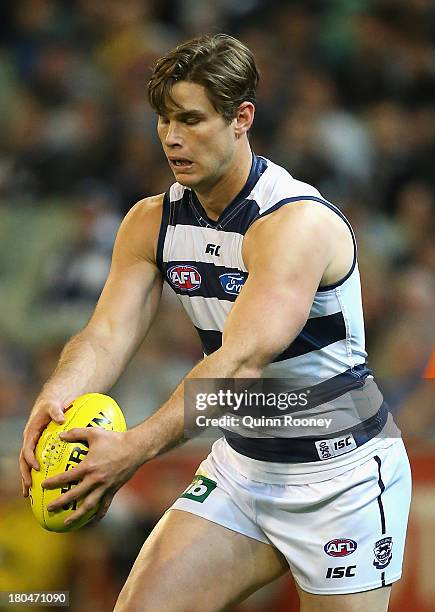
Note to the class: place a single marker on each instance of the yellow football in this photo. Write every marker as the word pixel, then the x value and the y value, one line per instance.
pixel 56 456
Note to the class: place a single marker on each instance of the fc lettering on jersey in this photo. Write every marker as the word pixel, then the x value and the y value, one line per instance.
pixel 213 249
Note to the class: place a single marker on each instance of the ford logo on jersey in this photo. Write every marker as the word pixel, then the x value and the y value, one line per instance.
pixel 340 547
pixel 232 283
pixel 184 277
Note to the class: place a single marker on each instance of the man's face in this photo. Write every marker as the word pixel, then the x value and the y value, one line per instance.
pixel 196 139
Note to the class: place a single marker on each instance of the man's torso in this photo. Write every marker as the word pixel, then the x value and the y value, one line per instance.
pixel 202 260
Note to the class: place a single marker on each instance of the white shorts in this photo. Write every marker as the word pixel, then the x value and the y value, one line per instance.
pixel 340 523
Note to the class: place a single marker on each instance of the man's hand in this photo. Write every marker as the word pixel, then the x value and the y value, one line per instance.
pixel 110 462
pixel 44 411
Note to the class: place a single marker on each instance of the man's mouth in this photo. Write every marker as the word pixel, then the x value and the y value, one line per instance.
pixel 180 162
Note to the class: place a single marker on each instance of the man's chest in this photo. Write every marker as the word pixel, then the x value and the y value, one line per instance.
pixel 204 262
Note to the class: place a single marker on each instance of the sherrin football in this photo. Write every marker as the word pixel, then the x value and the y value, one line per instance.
pixel 56 456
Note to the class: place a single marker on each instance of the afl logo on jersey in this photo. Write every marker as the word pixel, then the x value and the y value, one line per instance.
pixel 184 277
pixel 340 547
pixel 232 283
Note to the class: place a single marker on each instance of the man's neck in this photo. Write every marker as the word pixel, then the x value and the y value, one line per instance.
pixel 216 199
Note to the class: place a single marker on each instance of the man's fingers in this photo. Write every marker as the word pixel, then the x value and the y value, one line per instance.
pixel 28 453
pixel 37 422
pixel 75 493
pixel 77 434
pixel 27 461
pixel 25 488
pixel 54 410
pixel 58 416
pixel 43 413
pixel 24 467
pixel 31 435
pixel 31 439
pixel 25 475
pixel 73 475
pixel 90 502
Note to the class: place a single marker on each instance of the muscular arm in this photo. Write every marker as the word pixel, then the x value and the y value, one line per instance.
pixel 93 359
pixel 287 254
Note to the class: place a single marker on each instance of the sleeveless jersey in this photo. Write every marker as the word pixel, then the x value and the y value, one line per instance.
pixel 201 260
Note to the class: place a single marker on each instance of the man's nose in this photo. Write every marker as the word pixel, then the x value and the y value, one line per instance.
pixel 173 136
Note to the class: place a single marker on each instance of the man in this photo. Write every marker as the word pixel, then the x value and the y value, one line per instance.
pixel 333 509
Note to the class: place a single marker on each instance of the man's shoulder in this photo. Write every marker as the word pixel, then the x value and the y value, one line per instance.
pixel 146 211
pixel 142 222
pixel 148 205
pixel 277 186
pixel 138 234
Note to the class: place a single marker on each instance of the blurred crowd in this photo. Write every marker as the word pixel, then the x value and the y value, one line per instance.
pixel 346 102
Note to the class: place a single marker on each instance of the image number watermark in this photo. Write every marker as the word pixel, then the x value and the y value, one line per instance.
pixel 34 598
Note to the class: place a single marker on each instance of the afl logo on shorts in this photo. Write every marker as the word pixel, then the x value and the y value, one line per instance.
pixel 186 278
pixel 340 547
pixel 232 283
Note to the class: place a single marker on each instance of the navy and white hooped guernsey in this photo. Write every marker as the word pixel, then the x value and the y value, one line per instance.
pixel 201 259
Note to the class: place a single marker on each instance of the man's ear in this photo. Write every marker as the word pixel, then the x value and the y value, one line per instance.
pixel 244 118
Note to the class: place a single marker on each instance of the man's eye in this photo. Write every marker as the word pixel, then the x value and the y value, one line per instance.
pixel 191 121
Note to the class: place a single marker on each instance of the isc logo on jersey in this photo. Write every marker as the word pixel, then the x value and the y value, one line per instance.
pixel 232 283
pixel 340 547
pixel 184 277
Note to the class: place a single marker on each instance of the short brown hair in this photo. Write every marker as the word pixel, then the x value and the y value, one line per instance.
pixel 223 65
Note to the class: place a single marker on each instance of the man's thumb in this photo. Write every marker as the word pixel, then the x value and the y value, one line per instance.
pixel 58 416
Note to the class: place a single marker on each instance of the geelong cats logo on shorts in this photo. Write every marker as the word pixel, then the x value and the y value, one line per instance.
pixel 184 277
pixel 383 552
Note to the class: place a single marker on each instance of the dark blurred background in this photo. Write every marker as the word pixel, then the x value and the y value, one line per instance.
pixel 346 102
